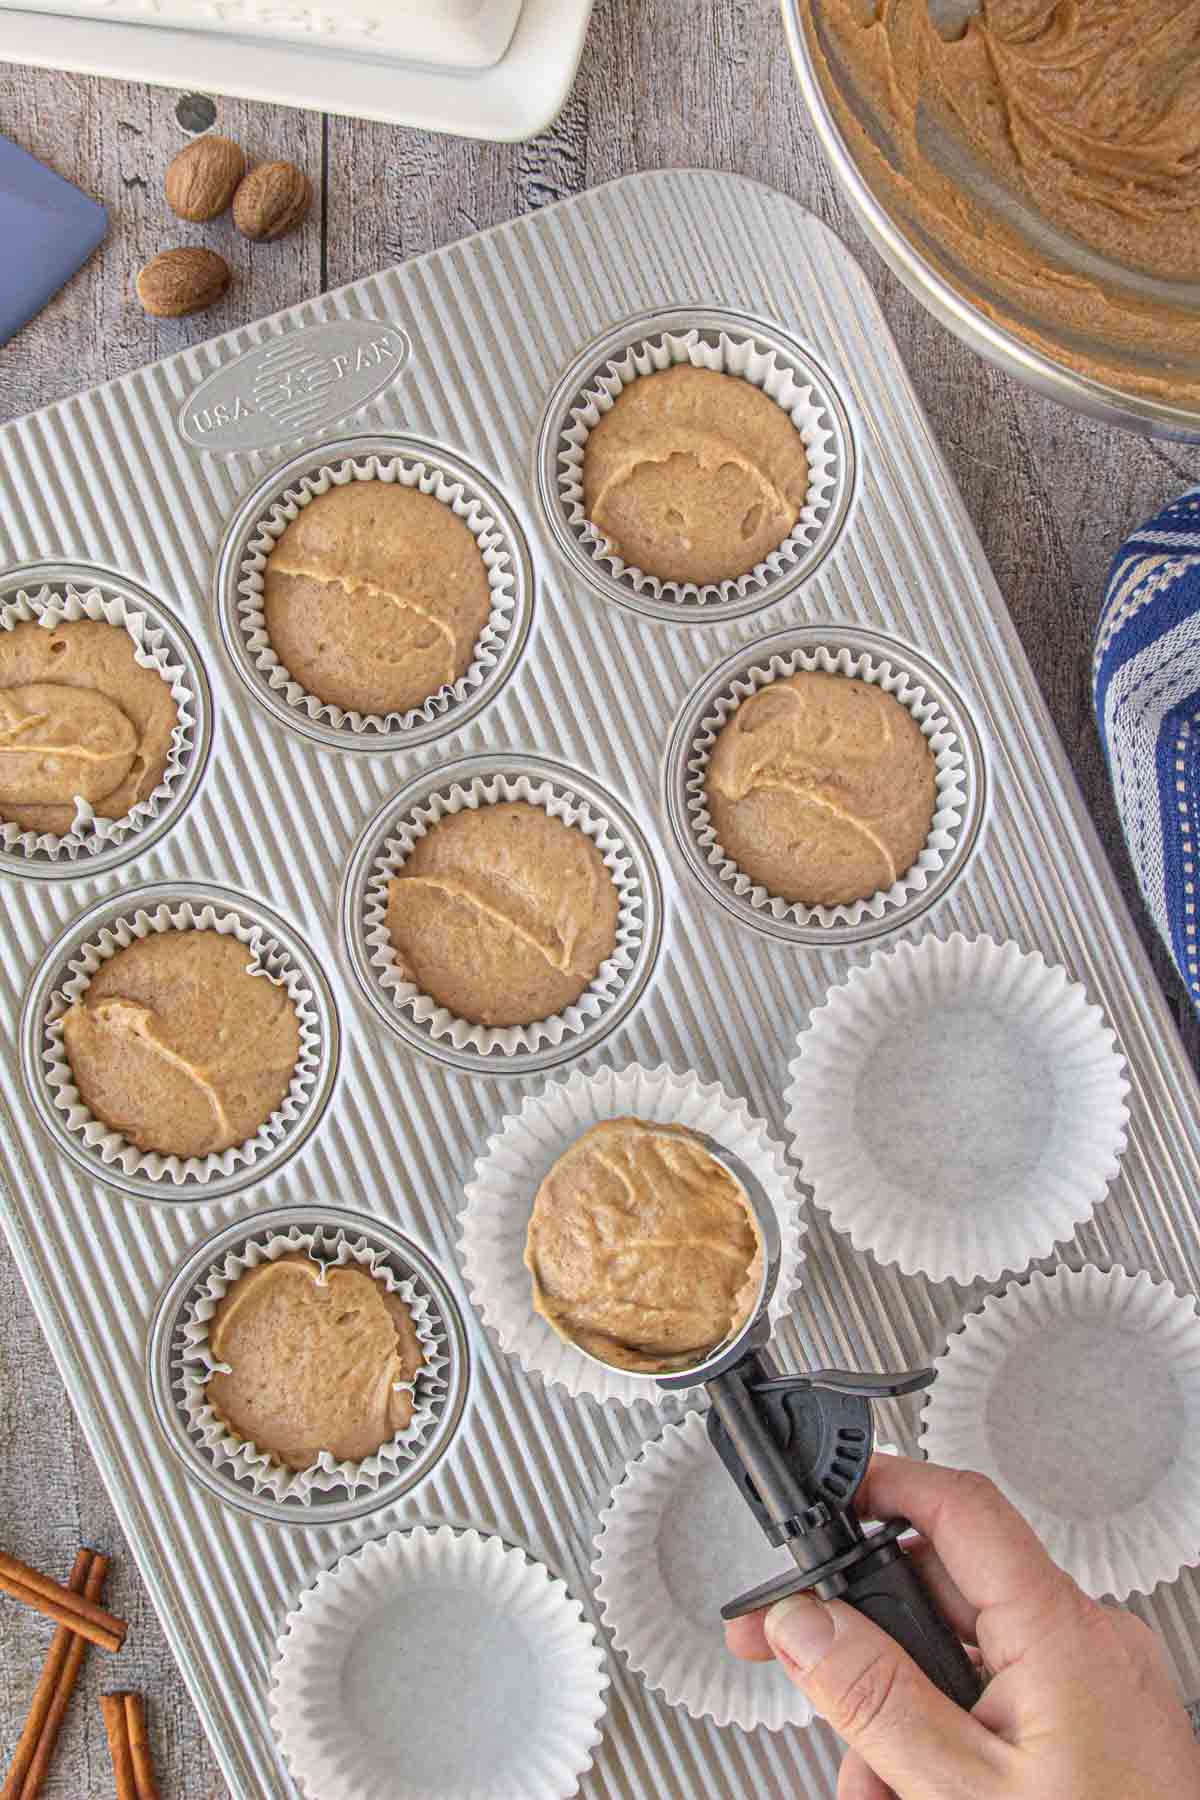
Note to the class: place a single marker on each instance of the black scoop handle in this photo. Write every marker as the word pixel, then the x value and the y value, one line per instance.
pixel 886 1588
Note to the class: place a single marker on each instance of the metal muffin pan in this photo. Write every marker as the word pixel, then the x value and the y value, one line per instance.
pixel 491 324
pixel 165 1352
pixel 59 577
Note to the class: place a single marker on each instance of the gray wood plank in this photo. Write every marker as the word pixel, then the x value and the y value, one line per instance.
pixel 683 82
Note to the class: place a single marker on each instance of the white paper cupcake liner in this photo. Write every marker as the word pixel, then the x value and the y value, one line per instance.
pixel 675 1542
pixel 958 1107
pixel 91 832
pixel 438 1663
pixel 507 1176
pixel 792 387
pixel 949 778
pixel 331 1249
pixel 409 471
pixel 268 958
pixel 1079 1394
pixel 557 799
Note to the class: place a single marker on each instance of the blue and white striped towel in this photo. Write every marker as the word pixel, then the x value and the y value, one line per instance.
pixel 1146 685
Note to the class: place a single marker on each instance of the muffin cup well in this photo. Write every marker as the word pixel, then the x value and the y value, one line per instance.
pixel 275 952
pixel 507 1176
pixel 676 1541
pixel 173 1371
pixel 959 799
pixel 48 596
pixel 745 349
pixel 485 781
pixel 505 1703
pixel 271 508
pixel 245 1460
pixel 1079 1394
pixel 996 1114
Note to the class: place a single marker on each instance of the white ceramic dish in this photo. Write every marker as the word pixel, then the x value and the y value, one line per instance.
pixel 517 97
pixel 445 34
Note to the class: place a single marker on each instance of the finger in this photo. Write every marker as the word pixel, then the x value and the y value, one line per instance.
pixel 746 1639
pixel 874 1695
pixel 856 1781
pixel 942 1589
pixel 987 1549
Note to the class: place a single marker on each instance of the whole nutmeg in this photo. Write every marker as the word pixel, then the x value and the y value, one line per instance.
pixel 177 282
pixel 201 181
pixel 271 201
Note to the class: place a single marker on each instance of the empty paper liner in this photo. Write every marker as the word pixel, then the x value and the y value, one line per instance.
pixel 438 1663
pixel 958 1107
pixel 1079 1394
pixel 675 1543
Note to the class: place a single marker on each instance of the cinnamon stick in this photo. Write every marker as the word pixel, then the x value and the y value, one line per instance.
pixel 116 1724
pixel 60 1604
pixel 41 1762
pixel 45 1692
pixel 139 1748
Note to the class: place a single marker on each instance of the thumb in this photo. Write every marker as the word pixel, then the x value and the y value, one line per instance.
pixel 874 1696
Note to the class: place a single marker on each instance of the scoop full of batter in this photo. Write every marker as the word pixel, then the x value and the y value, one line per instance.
pixel 642 1248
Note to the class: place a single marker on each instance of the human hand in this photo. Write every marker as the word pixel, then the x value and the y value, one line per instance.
pixel 1079 1704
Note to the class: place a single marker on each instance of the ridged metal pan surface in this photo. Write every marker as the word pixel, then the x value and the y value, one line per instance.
pixel 491 327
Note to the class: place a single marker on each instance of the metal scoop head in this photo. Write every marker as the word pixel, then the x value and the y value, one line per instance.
pixel 754 1329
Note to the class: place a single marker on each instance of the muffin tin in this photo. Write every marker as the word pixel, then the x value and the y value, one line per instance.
pixel 502 331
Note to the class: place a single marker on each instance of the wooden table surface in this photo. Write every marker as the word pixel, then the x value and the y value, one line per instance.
pixel 664 83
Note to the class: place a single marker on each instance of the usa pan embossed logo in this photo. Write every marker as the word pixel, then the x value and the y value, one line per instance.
pixel 296 384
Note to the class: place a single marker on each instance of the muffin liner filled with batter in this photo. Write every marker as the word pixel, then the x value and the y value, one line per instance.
pixel 949 783
pixel 265 958
pixel 438 1021
pixel 740 358
pixel 496 550
pixel 91 832
pixel 327 1249
pixel 508 1174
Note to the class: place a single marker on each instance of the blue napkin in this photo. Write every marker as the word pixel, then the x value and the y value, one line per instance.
pixel 1146 686
pixel 47 227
